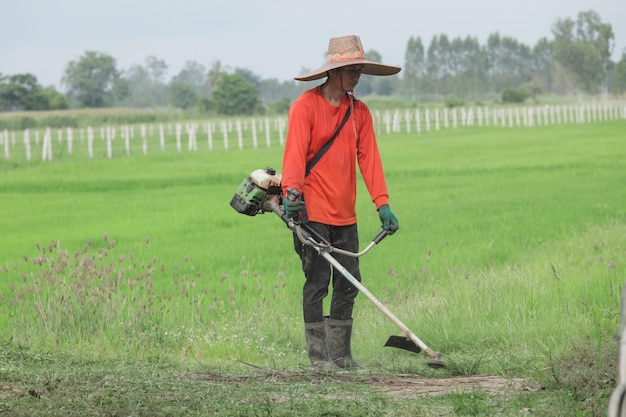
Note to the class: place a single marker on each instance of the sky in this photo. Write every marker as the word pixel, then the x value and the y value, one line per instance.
pixel 271 38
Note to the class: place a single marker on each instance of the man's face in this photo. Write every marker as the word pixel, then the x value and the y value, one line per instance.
pixel 350 76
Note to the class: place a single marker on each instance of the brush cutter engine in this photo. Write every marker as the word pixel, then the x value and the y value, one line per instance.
pixel 253 192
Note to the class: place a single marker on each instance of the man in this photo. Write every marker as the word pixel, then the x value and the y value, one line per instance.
pixel 327 191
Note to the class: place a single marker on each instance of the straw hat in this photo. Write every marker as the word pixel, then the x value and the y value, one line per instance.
pixel 344 51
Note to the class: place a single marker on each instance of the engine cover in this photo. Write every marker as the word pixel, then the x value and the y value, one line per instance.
pixel 253 191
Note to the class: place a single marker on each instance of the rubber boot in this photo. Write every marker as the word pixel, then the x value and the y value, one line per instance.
pixel 317 346
pixel 339 336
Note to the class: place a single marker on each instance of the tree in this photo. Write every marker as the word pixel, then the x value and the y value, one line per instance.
pixel 542 65
pixel 248 75
pixel 141 89
pixel 618 82
pixel 94 81
pixel 146 84
pixel 509 62
pixel 367 84
pixel 467 68
pixel 215 74
pixel 584 48
pixel 157 69
pixel 273 90
pixel 22 92
pixel 194 74
pixel 280 107
pixel 56 100
pixel 235 95
pixel 414 65
pixel 514 95
pixel 182 95
pixel 383 86
pixel 438 60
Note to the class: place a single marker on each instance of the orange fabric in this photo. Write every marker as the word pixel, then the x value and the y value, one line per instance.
pixel 330 189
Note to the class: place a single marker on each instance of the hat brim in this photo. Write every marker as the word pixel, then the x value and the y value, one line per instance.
pixel 369 67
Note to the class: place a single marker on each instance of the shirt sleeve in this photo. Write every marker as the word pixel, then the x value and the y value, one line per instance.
pixel 370 163
pixel 296 147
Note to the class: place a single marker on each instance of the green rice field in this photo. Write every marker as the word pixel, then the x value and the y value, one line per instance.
pixel 129 286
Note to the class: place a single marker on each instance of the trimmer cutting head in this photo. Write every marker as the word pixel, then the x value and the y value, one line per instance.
pixel 436 364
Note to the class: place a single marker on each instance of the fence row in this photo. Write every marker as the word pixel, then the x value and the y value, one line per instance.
pixel 104 140
pixel 506 117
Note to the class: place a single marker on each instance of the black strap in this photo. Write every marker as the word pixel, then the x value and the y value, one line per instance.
pixel 322 151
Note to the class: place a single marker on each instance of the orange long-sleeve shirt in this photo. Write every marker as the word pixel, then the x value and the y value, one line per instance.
pixel 330 189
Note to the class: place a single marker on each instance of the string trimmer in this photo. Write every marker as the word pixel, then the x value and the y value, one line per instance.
pixel 261 192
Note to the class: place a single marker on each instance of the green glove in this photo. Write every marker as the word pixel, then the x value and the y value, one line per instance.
pixel 388 219
pixel 293 207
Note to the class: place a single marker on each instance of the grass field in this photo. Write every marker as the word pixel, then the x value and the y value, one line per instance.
pixel 128 286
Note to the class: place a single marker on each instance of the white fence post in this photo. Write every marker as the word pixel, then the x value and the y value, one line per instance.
pixel 192 144
pixel 396 122
pixel 161 137
pixel 90 142
pixel 126 134
pixel 224 129
pixel 239 134
pixel 46 153
pixel 407 119
pixel 178 139
pixel 70 139
pixel 418 121
pixel 27 143
pixel 254 138
pixel 109 139
pixel 281 131
pixel 6 144
pixel 209 131
pixel 144 139
pixel 387 121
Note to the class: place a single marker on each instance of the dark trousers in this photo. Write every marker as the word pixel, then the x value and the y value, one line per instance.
pixel 318 273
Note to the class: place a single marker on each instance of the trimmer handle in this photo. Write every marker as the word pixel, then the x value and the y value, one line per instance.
pixel 380 236
pixel 293 194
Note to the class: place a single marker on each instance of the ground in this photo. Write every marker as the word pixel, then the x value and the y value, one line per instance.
pixel 398 386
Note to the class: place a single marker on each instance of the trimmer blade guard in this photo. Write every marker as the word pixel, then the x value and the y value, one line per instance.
pixel 402 342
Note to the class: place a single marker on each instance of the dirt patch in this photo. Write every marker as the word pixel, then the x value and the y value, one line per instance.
pixel 412 386
pixel 397 386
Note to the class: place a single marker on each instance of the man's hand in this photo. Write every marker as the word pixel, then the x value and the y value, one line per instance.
pixel 388 219
pixel 293 204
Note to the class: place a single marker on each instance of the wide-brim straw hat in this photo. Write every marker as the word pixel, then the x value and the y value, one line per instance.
pixel 344 51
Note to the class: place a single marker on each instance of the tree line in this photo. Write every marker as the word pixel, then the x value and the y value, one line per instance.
pixel 577 60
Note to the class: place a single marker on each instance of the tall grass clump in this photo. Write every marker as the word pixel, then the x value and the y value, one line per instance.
pixel 96 301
